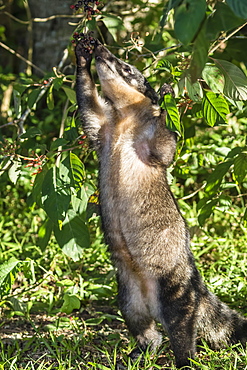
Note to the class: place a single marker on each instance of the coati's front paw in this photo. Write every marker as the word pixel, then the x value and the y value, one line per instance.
pixel 84 48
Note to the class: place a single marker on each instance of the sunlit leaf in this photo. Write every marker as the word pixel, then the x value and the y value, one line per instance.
pixel 235 80
pixel 73 238
pixel 214 78
pixel 6 275
pixel 215 178
pixel 240 167
pixel 194 90
pixel 72 171
pixel 71 302
pixel 71 95
pixel 50 99
pixel 206 211
pixel 172 118
pixel 214 106
pixel 15 170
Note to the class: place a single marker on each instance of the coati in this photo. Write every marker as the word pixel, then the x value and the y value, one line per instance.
pixel 146 233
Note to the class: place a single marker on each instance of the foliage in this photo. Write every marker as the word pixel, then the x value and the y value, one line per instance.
pixel 48 175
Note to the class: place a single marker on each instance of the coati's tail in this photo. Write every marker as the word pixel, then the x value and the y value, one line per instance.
pixel 220 325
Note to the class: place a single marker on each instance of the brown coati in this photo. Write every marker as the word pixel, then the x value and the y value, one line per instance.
pixel 147 236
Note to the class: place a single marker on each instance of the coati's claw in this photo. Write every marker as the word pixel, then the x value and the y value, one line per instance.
pixel 166 89
pixel 85 44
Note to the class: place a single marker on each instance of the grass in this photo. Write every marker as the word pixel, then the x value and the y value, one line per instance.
pixel 39 329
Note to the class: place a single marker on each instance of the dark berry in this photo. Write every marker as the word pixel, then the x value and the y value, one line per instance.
pixel 76 34
pixel 76 7
pixel 80 3
pixel 72 6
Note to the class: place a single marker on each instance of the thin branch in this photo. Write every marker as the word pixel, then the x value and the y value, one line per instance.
pixel 56 16
pixel 21 57
pixel 226 38
pixel 14 18
pixel 42 19
pixel 10 123
pixel 194 193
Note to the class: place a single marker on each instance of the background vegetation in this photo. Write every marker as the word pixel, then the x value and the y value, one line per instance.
pixel 57 285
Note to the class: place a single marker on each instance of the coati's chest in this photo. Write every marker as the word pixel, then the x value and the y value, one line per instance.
pixel 124 158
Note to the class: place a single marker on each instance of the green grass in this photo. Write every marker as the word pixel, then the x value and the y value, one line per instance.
pixel 39 329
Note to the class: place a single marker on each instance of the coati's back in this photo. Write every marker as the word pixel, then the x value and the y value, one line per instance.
pixel 148 239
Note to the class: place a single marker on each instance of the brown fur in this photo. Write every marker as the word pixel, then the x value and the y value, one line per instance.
pixel 146 234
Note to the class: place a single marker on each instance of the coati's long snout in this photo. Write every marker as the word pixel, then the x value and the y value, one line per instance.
pixel 117 73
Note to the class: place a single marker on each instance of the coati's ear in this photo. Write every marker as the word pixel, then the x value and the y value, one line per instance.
pixel 150 93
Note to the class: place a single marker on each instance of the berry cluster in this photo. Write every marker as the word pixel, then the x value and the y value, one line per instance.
pixel 89 7
pixel 87 40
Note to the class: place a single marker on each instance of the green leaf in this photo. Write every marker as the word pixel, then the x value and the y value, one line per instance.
pixel 199 55
pixel 57 82
pixel 240 167
pixel 194 90
pixel 214 106
pixel 6 275
pixel 37 186
pixel 72 171
pixel 164 65
pixel 224 203
pixel 206 211
pixel 71 95
pixel 44 234
pixel 71 302
pixel 168 6
pixel 57 143
pixel 79 201
pixel 188 18
pixel 14 171
pixel 73 237
pixel 31 132
pixel 172 118
pixel 235 80
pixel 55 195
pixel 222 19
pixel 32 98
pixel 239 7
pixel 214 78
pixel 113 23
pixel 215 178
pixel 50 99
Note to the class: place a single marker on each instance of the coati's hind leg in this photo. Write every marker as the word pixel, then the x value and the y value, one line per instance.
pixel 133 303
pixel 178 315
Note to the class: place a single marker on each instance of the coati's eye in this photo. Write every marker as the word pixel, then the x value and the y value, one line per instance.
pixel 127 69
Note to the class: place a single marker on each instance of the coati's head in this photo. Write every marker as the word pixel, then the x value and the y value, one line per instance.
pixel 120 80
